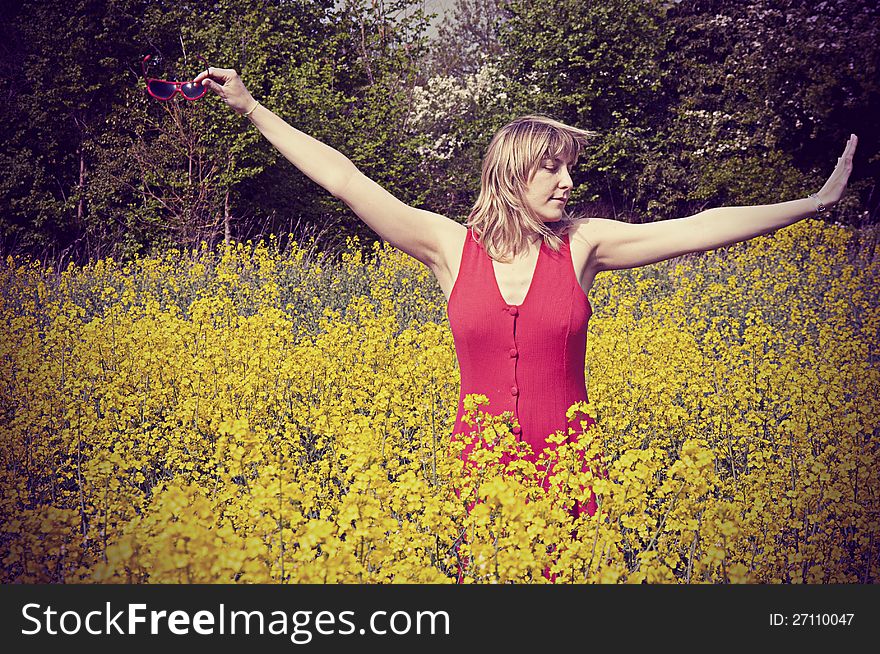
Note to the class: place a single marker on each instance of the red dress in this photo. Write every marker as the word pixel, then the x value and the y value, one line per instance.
pixel 527 358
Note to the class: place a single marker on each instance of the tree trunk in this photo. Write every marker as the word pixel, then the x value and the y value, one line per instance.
pixel 81 205
pixel 227 230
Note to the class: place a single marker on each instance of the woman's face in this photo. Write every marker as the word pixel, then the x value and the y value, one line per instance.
pixel 548 190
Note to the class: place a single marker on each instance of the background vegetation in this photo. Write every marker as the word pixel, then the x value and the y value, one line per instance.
pixel 697 104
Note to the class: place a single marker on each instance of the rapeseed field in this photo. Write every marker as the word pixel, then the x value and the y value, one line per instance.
pixel 254 415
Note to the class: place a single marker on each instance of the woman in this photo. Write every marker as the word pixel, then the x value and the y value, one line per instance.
pixel 517 277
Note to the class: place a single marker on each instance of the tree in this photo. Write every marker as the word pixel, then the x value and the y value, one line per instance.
pixel 98 167
pixel 457 116
pixel 701 103
pixel 467 39
pixel 767 93
pixel 599 66
pixel 64 81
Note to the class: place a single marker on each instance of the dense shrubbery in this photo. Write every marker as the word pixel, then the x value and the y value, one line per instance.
pixel 695 104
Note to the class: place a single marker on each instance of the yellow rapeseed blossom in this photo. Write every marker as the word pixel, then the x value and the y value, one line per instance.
pixel 245 415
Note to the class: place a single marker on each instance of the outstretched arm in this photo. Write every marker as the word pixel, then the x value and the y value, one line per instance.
pixel 623 245
pixel 411 230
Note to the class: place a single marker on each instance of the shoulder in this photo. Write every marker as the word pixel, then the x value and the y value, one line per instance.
pixel 452 235
pixel 589 231
pixel 588 236
pixel 451 238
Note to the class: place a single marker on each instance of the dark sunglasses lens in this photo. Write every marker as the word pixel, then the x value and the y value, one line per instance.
pixel 193 91
pixel 162 90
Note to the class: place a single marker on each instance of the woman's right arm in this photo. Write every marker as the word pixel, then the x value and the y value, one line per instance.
pixel 414 231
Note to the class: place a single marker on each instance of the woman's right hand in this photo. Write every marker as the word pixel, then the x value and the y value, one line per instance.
pixel 226 83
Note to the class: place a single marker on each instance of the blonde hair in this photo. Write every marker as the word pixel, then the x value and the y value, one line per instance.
pixel 501 217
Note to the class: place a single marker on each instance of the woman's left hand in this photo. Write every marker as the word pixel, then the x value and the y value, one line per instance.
pixel 833 189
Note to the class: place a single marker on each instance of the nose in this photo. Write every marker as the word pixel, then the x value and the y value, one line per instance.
pixel 565 178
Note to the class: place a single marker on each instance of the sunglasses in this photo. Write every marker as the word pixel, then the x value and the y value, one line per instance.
pixel 162 89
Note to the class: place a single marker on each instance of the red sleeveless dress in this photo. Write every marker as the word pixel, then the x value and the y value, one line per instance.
pixel 527 359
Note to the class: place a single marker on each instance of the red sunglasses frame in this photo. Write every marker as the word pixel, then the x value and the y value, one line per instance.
pixel 177 85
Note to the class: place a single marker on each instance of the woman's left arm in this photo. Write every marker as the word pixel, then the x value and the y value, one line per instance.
pixel 623 245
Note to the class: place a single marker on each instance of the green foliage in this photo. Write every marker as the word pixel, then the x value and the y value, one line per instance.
pixel 696 104
pixel 700 103
pixel 596 65
pixel 773 89
pixel 180 172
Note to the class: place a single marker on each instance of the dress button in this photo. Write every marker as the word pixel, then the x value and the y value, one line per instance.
pixel 513 352
pixel 513 311
pixel 517 430
pixel 514 390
